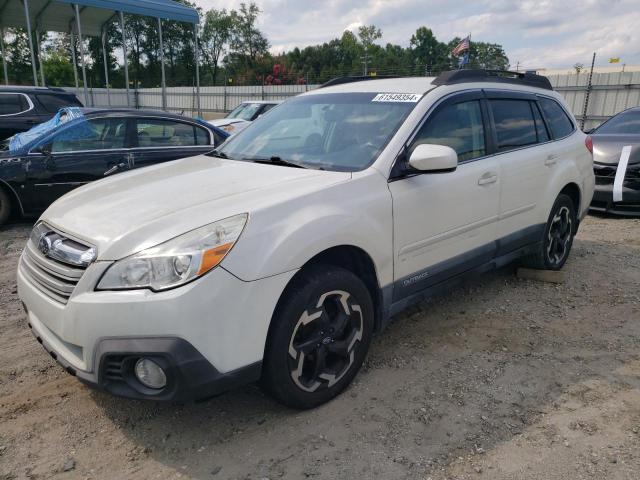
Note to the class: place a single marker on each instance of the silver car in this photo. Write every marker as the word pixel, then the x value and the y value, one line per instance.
pixel 616 162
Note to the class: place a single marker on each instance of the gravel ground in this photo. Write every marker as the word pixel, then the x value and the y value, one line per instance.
pixel 501 379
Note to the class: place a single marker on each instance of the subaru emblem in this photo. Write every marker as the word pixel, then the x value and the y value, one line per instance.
pixel 44 245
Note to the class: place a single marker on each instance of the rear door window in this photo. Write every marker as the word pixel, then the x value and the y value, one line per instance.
pixel 12 103
pixel 154 132
pixel 514 123
pixel 458 126
pixel 557 119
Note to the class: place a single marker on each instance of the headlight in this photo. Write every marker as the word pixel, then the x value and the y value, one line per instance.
pixel 177 261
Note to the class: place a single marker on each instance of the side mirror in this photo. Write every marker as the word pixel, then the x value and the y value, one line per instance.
pixel 434 158
pixel 43 149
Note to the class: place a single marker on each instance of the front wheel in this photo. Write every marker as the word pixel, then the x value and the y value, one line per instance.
pixel 558 236
pixel 319 337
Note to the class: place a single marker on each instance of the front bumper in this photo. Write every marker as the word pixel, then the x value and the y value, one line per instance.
pixel 209 334
pixel 603 201
pixel 189 375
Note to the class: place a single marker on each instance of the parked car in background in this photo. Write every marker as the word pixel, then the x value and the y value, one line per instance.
pixel 241 116
pixel 616 163
pixel 101 142
pixel 281 257
pixel 23 107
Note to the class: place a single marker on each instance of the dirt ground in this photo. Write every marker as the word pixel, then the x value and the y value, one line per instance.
pixel 502 379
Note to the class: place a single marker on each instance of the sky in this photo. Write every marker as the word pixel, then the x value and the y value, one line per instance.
pixel 534 34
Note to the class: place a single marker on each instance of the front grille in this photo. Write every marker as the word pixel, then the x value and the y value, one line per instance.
pixel 605 175
pixel 55 279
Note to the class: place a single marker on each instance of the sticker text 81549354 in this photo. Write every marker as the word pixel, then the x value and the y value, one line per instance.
pixel 397 97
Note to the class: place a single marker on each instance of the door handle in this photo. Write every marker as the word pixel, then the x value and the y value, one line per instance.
pixel 488 178
pixel 551 160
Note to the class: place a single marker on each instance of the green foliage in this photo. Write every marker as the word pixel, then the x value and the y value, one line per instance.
pixel 232 49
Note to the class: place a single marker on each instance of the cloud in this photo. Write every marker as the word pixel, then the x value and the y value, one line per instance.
pixel 535 33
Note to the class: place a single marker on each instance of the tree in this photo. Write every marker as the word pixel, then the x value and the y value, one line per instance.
pixel 578 67
pixel 217 32
pixel 247 41
pixel 428 52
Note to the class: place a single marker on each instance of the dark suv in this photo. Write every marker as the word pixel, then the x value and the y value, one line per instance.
pixel 23 107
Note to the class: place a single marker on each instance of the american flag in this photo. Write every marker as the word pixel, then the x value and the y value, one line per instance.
pixel 462 46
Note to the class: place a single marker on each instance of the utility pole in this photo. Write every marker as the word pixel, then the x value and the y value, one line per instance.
pixel 365 62
pixel 588 93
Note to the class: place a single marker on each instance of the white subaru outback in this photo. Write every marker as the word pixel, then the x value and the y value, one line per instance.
pixel 279 255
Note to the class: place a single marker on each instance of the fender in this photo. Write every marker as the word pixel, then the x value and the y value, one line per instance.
pixel 14 195
pixel 567 170
pixel 274 242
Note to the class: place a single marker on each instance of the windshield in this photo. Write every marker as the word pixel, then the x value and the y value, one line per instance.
pixel 245 111
pixel 624 123
pixel 335 131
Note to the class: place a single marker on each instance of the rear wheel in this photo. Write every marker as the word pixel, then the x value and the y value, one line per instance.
pixel 558 237
pixel 5 206
pixel 319 337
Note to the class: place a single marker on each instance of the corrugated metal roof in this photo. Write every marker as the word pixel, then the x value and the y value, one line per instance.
pixel 58 15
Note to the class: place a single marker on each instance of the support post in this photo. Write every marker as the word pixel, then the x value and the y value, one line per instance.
pixel 75 62
pixel 33 57
pixel 164 82
pixel 38 46
pixel 588 93
pixel 124 54
pixel 84 70
pixel 4 59
pixel 106 65
pixel 197 59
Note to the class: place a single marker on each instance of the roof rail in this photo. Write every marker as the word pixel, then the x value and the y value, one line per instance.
pixel 499 76
pixel 357 78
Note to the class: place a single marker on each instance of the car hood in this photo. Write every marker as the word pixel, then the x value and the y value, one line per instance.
pixel 607 148
pixel 226 121
pixel 129 212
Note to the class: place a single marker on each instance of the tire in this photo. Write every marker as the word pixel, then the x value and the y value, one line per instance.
pixel 5 206
pixel 558 237
pixel 319 337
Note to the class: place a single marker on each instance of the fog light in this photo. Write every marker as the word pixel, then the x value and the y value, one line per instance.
pixel 150 373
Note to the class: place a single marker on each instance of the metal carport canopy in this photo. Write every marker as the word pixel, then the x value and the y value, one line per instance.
pixel 89 17
pixel 58 15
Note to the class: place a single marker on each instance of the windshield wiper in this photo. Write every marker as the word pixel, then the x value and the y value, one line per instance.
pixel 217 154
pixel 275 160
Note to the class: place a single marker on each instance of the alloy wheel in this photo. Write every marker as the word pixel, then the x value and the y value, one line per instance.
pixel 559 236
pixel 324 340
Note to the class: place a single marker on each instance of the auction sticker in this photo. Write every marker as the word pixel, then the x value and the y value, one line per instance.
pixel 397 97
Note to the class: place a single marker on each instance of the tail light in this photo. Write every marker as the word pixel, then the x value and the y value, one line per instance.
pixel 588 142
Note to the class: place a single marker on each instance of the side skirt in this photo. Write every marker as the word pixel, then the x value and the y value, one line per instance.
pixel 459 270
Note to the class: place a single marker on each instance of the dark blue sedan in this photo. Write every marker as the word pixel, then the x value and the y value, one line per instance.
pixel 85 144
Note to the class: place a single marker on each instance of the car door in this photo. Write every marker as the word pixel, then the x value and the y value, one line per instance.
pixel 525 160
pixel 84 151
pixel 160 140
pixel 445 223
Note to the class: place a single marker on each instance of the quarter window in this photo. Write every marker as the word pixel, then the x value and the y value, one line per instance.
pixel 97 134
pixel 53 103
pixel 514 124
pixel 558 120
pixel 12 103
pixel 167 133
pixel 458 126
